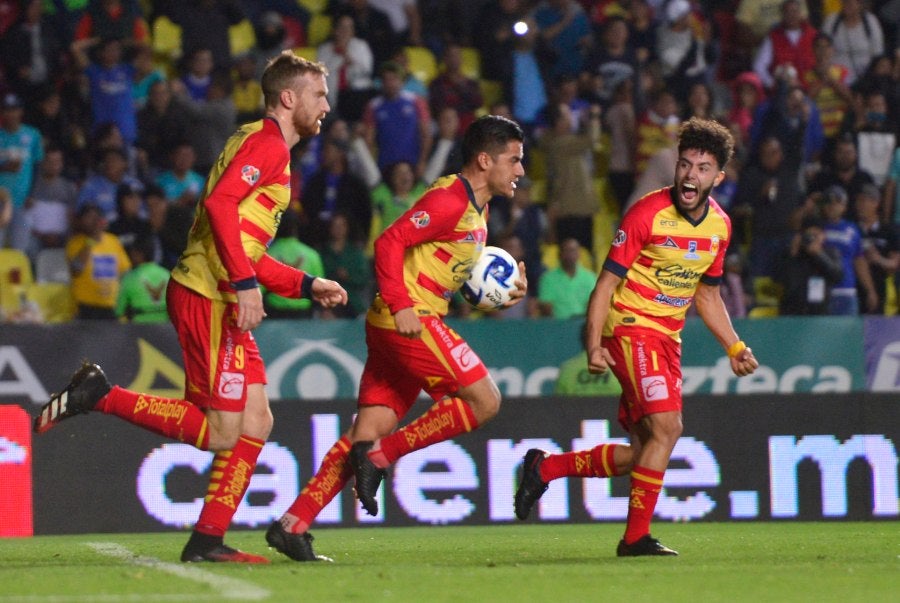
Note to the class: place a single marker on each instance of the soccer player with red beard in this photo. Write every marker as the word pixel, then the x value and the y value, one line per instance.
pixel 214 302
pixel 668 253
pixel 421 260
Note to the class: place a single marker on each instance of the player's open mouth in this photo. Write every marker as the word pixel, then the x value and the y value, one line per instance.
pixel 688 191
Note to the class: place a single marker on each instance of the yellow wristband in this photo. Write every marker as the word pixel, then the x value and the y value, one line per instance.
pixel 736 348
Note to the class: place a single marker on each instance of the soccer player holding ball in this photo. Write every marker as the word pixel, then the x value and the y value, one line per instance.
pixel 669 252
pixel 421 260
pixel 214 301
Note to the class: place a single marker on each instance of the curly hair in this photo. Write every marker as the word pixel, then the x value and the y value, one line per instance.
pixel 708 136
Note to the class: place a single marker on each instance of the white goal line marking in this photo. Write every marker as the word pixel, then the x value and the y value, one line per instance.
pixel 226 587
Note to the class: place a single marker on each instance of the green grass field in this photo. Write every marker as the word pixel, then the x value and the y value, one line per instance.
pixel 522 563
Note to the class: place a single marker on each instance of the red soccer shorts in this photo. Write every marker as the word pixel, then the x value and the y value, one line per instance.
pixel 397 369
pixel 648 366
pixel 219 360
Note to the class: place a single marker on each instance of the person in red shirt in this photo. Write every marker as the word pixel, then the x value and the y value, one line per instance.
pixel 668 253
pixel 421 260
pixel 214 302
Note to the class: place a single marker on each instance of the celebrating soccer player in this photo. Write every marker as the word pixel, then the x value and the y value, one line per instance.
pixel 668 253
pixel 214 302
pixel 421 260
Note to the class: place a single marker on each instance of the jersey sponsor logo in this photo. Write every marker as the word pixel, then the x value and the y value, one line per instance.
pixel 250 174
pixel 620 238
pixel 465 358
pixel 669 242
pixel 692 251
pixel 678 277
pixel 478 237
pixel 714 244
pixel 231 385
pixel 420 219
pixel 665 223
pixel 668 300
pixel 654 388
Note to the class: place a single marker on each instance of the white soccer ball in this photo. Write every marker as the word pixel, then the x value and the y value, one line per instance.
pixel 493 277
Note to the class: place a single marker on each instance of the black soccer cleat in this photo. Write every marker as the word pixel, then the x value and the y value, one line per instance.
pixel 87 386
pixel 647 545
pixel 206 548
pixel 368 476
pixel 531 486
pixel 296 546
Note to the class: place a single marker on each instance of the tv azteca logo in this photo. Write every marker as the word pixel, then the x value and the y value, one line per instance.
pixel 314 370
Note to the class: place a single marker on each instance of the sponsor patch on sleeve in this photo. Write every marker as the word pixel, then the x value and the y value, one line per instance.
pixel 420 219
pixel 250 174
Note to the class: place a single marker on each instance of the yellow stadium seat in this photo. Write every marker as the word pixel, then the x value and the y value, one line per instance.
pixel 471 62
pixel 550 256
pixel 55 301
pixel 763 312
pixel 421 63
pixel 166 39
pixel 241 37
pixel 766 292
pixel 314 6
pixel 491 93
pixel 538 190
pixel 307 52
pixel 15 278
pixel 319 29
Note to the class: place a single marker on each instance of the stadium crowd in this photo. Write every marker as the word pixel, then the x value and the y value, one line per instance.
pixel 113 111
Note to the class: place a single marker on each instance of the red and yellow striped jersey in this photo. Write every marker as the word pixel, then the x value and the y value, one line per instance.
pixel 247 191
pixel 661 256
pixel 426 255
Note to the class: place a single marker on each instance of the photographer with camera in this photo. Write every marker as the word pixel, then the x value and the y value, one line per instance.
pixel 808 270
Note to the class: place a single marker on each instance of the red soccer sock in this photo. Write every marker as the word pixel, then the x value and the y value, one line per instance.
pixel 169 417
pixel 332 476
pixel 645 487
pixel 445 419
pixel 596 462
pixel 231 472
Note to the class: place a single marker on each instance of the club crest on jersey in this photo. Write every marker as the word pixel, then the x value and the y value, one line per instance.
pixel 692 251
pixel 420 219
pixel 250 174
pixel 714 244
pixel 619 240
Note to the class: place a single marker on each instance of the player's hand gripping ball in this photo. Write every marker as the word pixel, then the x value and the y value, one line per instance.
pixel 493 277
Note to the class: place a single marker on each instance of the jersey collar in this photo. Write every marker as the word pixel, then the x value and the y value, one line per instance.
pixel 470 193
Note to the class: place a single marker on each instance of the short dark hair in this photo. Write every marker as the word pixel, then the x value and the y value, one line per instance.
pixel 489 134
pixel 706 135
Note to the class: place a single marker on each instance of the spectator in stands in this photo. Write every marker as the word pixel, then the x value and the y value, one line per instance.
pixel 343 257
pixel 642 30
pixel 842 170
pixel 350 66
pixel 331 190
pixel 565 35
pixel 372 25
pixel 495 38
pixel 826 82
pixel 405 20
pixel 683 48
pixel 768 196
pixel 107 19
pixel 890 208
pixel 807 271
pixel 57 127
pixel 395 195
pixel 21 150
pixel 732 289
pixel 246 93
pixel 876 136
pixel 446 155
pixel 756 18
pixel 881 248
pixel 204 24
pixel 398 123
pixel 181 184
pixel 747 93
pixel 453 88
pixel 130 223
pixel 844 236
pixel 97 261
pixel 858 37
pixel 521 218
pixel 142 291
pixel 699 102
pixel 110 84
pixel 620 122
pixel 789 45
pixel 198 76
pixel 162 123
pixel 145 74
pixel 566 289
pixel 53 199
pixel 109 136
pixel 101 188
pixel 657 128
pixel 211 121
pixel 288 249
pixel 31 52
pixel 527 91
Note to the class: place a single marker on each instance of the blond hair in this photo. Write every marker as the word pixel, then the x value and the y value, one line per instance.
pixel 282 71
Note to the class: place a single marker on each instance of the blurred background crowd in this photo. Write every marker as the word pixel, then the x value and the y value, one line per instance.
pixel 113 111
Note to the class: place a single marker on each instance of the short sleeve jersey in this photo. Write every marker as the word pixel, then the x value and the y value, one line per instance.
pixel 661 256
pixel 426 255
pixel 250 186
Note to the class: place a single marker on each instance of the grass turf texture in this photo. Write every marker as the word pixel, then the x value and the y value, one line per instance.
pixel 819 562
